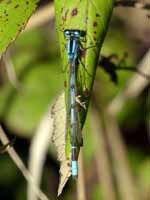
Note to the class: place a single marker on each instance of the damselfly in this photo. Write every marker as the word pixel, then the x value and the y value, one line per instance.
pixel 74 48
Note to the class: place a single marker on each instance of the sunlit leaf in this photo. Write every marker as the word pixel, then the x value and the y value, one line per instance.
pixel 14 15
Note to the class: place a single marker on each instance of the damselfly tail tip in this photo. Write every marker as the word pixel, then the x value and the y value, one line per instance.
pixel 74 169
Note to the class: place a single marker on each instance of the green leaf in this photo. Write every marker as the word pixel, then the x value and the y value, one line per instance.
pixel 92 16
pixel 14 15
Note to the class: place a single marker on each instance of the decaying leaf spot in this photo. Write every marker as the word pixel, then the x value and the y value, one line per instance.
pixel 74 12
pixel 97 15
pixel 86 20
pixel 95 24
pixel 68 164
pixel 65 15
pixel 62 10
pixel 16 6
pixel 65 84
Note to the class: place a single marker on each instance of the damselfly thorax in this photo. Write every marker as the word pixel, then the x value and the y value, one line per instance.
pixel 74 45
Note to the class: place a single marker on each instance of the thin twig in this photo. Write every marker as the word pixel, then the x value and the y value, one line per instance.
pixel 10 70
pixel 111 68
pixel 132 69
pixel 5 147
pixel 81 193
pixel 134 3
pixel 125 183
pixel 148 107
pixel 19 163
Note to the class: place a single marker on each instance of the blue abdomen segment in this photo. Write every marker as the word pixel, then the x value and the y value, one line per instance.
pixel 74 168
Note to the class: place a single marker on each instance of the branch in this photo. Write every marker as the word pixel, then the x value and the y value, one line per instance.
pixel 10 70
pixel 125 181
pixel 102 154
pixel 134 3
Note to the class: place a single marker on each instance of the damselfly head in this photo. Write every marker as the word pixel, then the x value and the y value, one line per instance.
pixel 74 32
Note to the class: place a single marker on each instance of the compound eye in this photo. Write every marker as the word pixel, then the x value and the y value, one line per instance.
pixel 76 33
pixel 67 33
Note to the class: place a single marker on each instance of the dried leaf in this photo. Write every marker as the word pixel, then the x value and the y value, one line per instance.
pixel 59 139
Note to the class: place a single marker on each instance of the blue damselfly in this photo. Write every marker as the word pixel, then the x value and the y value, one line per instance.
pixel 74 49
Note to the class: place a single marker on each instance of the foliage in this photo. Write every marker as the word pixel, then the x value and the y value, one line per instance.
pixel 35 56
pixel 13 17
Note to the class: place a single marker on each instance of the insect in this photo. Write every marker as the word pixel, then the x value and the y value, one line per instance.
pixel 74 49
